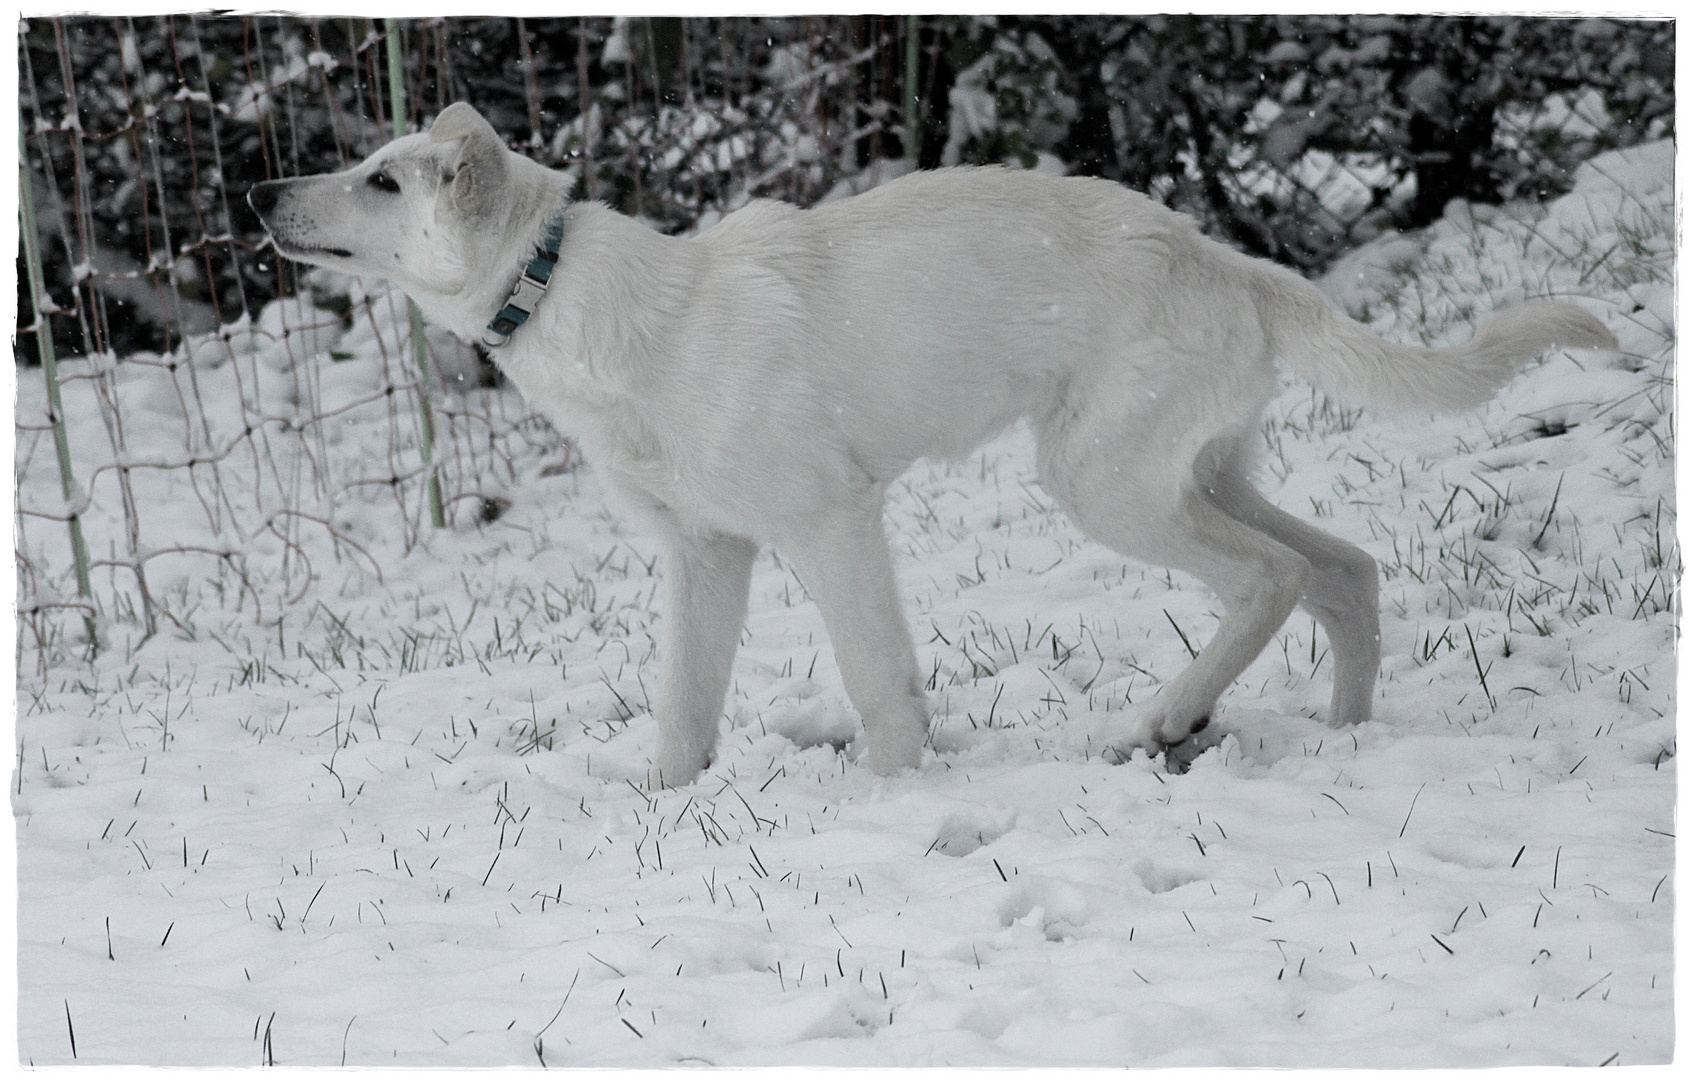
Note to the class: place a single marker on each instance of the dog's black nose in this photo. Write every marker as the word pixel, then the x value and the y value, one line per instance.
pixel 262 198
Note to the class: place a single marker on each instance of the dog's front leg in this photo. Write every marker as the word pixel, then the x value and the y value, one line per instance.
pixel 706 577
pixel 845 566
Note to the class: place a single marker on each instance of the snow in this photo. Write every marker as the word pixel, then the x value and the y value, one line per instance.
pixel 404 825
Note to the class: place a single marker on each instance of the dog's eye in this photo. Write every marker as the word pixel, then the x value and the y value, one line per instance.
pixel 381 181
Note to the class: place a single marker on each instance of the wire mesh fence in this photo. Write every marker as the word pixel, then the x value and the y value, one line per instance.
pixel 183 364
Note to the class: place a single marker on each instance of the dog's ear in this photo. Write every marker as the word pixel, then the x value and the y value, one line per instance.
pixel 480 173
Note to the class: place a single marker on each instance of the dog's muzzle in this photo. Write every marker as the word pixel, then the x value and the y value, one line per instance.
pixel 264 198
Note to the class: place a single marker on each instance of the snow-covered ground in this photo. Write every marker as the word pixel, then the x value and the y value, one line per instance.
pixel 405 825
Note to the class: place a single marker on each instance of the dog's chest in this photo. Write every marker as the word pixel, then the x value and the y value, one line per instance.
pixel 620 433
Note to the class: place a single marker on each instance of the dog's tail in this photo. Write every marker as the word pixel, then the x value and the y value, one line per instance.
pixel 1337 354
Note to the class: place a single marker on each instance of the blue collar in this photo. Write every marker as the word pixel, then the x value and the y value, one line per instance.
pixel 531 286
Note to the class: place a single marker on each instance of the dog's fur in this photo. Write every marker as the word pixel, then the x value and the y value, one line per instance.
pixel 764 381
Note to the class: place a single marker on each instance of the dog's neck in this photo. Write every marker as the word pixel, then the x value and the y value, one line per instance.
pixel 499 254
pixel 616 286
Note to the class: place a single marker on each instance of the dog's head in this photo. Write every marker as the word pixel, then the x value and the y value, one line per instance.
pixel 422 212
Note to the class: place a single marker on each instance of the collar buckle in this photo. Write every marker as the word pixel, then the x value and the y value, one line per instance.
pixel 531 286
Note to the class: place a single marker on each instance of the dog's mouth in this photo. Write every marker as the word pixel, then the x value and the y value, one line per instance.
pixel 306 251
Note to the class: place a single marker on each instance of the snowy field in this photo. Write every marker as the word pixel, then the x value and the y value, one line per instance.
pixel 405 824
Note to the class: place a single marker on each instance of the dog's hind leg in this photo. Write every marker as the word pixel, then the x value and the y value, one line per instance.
pixel 706 580
pixel 1124 494
pixel 1259 580
pixel 844 564
pixel 1342 591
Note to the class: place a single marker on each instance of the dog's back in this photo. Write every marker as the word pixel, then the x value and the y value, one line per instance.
pixel 973 296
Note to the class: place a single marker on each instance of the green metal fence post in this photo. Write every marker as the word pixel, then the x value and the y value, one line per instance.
pixel 419 347
pixel 50 369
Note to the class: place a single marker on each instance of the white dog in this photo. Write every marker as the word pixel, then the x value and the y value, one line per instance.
pixel 764 381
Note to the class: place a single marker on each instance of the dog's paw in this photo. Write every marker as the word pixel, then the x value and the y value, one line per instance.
pixel 675 767
pixel 1158 734
pixel 1158 731
pixel 892 753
